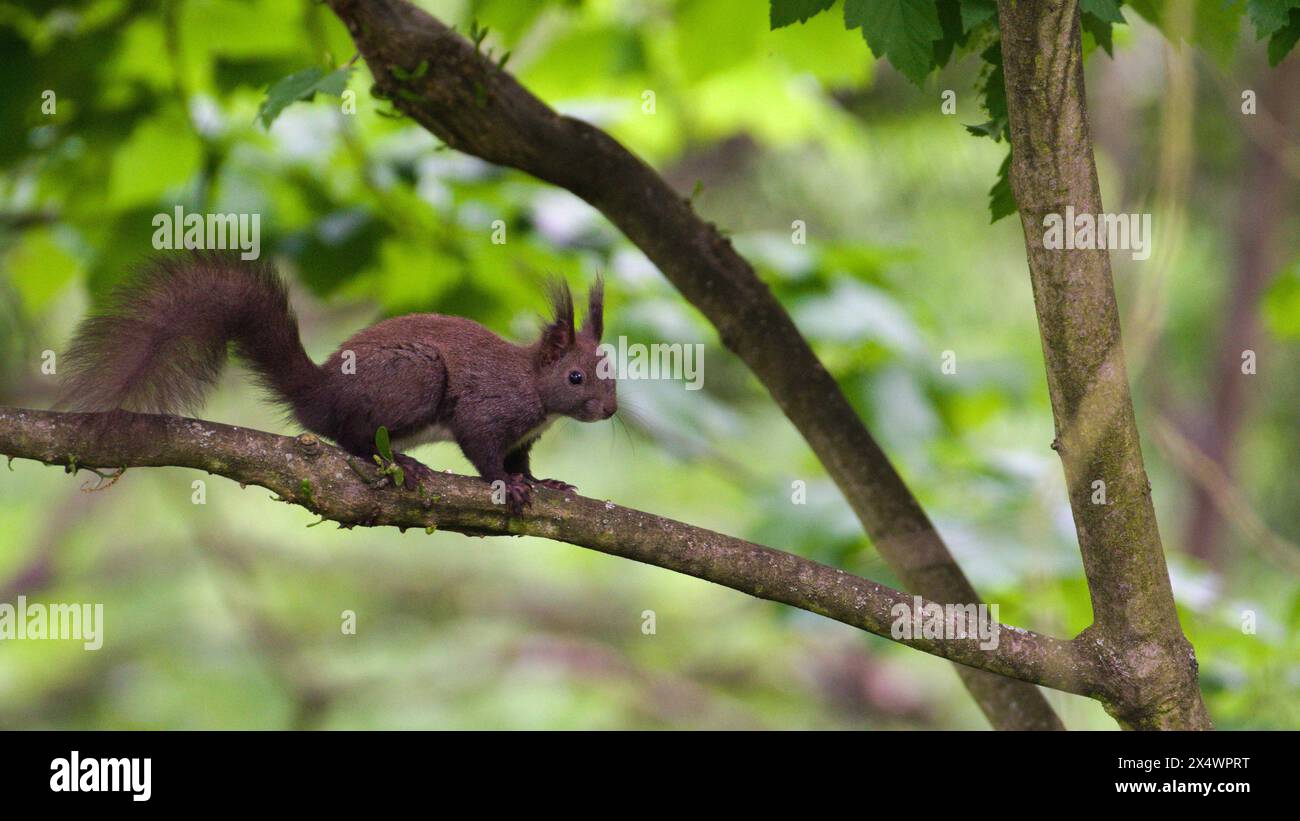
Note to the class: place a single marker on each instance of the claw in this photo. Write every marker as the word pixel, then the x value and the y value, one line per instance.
pixel 518 494
pixel 555 484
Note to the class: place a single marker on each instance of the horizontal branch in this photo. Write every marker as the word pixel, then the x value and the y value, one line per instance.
pixel 323 479
pixel 448 86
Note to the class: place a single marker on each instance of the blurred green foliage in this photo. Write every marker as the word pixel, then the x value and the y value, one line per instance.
pixel 227 614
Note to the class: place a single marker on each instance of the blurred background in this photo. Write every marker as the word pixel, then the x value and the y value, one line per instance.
pixel 228 614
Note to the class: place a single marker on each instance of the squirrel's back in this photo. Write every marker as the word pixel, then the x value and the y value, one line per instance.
pixel 464 346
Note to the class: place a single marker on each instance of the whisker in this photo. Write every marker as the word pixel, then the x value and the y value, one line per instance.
pixel 631 441
pixel 630 412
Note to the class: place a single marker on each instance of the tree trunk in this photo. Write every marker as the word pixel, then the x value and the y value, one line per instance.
pixel 1135 630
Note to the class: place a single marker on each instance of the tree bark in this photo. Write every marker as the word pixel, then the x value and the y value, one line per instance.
pixel 1135 629
pixel 474 106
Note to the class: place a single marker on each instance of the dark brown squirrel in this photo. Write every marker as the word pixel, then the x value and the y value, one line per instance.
pixel 161 340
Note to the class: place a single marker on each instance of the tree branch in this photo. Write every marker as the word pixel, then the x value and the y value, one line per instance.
pixel 475 107
pixel 1135 623
pixel 323 479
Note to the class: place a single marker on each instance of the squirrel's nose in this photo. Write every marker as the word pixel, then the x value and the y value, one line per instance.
pixel 610 408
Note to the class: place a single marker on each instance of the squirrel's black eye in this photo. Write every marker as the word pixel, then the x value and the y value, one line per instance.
pixel 575 377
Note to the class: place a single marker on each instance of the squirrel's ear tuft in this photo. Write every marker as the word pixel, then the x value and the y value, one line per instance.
pixel 558 333
pixel 594 326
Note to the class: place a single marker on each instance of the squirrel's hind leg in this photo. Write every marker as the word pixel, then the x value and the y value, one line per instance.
pixel 517 461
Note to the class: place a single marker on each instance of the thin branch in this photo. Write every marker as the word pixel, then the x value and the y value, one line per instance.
pixel 1214 483
pixel 474 106
pixel 319 477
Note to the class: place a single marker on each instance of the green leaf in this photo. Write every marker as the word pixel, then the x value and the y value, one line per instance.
pixel 335 82
pixel 382 444
pixel 303 85
pixel 991 88
pixel 1096 17
pixel 975 13
pixel 1284 39
pixel 1106 11
pixel 1100 31
pixel 953 35
pixel 990 129
pixel 903 31
pixel 1268 16
pixel 992 91
pixel 404 75
pixel 1002 202
pixel 786 12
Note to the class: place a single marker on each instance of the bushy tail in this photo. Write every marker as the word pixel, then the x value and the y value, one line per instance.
pixel 160 342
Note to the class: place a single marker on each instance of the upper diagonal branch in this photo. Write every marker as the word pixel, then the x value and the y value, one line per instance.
pixel 324 480
pixel 474 106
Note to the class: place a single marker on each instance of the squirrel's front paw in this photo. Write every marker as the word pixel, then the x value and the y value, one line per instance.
pixel 518 493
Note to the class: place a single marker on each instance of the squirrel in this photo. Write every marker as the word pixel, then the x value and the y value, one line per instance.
pixel 160 342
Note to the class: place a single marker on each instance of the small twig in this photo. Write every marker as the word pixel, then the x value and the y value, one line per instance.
pixel 100 484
